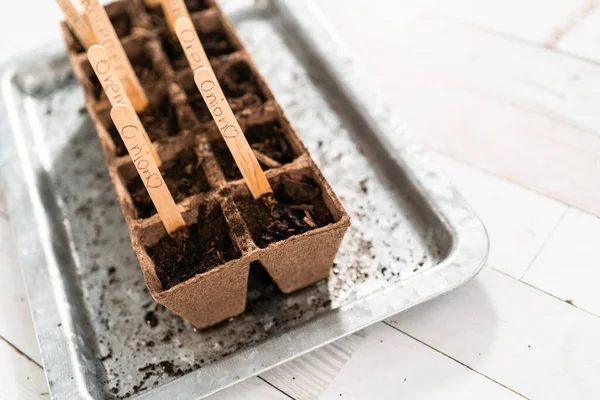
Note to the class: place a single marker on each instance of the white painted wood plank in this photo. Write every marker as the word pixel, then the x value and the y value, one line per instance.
pixel 568 266
pixel 518 220
pixel 251 389
pixel 16 324
pixel 391 365
pixel 307 377
pixel 524 113
pixel 582 40
pixel 533 20
pixel 20 378
pixel 517 335
pixel 3 209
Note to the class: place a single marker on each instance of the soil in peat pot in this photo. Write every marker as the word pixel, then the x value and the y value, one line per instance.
pixel 195 250
pixel 184 177
pixel 295 207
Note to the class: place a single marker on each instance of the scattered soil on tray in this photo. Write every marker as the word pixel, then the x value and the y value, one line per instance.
pixel 267 138
pixel 204 246
pixel 296 207
pixel 150 319
pixel 184 177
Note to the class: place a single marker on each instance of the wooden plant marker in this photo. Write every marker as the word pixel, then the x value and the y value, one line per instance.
pixel 77 23
pixel 219 109
pixel 189 40
pixel 174 10
pixel 232 133
pixel 131 132
pixel 107 37
pixel 113 88
pixel 152 3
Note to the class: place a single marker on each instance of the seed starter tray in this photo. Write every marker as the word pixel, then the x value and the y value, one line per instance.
pixel 178 121
pixel 101 334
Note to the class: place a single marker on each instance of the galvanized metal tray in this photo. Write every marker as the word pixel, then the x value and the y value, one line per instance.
pixel 413 236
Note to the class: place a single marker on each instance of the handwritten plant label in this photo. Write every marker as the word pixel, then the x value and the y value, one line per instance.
pixel 107 37
pixel 242 153
pixel 113 87
pixel 131 131
pixel 193 49
pixel 77 24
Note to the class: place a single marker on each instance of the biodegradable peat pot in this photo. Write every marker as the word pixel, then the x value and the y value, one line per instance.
pixel 204 276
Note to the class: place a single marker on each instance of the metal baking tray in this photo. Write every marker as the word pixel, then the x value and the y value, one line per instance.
pixel 412 238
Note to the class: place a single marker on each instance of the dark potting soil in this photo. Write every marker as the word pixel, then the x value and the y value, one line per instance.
pixel 202 113
pixel 215 44
pixel 295 207
pixel 160 121
pixel 149 77
pixel 199 107
pixel 206 246
pixel 237 104
pixel 158 17
pixel 238 80
pixel 122 24
pixel 266 138
pixel 184 177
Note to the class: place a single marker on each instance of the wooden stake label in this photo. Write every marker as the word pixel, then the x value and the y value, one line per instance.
pixel 113 88
pixel 189 40
pixel 173 10
pixel 152 3
pixel 107 37
pixel 77 23
pixel 232 133
pixel 131 131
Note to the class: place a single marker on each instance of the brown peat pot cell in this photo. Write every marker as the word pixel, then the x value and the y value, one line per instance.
pixel 268 139
pixel 199 248
pixel 158 17
pixel 238 80
pixel 160 121
pixel 239 85
pixel 298 230
pixel 295 207
pixel 184 177
pixel 120 14
pixel 216 44
pixel 201 272
pixel 140 52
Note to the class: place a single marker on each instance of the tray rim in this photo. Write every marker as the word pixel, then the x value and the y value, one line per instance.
pixel 468 254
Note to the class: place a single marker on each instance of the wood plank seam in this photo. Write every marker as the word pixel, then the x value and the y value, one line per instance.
pixel 520 40
pixel 454 359
pixel 505 180
pixel 15 348
pixel 543 246
pixel 576 17
pixel 545 292
pixel 275 387
pixel 450 155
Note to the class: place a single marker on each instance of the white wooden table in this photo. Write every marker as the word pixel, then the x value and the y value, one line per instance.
pixel 507 95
